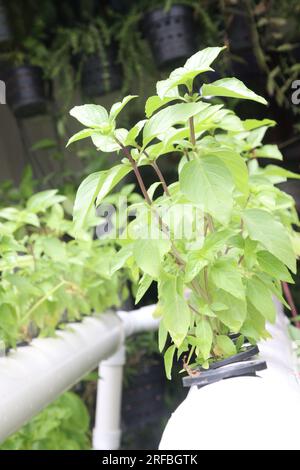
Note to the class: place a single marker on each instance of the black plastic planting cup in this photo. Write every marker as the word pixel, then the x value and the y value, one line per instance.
pixel 100 76
pixel 241 369
pixel 25 91
pixel 239 365
pixel 5 31
pixel 171 34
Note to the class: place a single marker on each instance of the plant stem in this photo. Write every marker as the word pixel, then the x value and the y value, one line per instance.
pixel 197 288
pixel 178 259
pixel 205 226
pixel 241 259
pixel 163 227
pixel 136 171
pixel 206 283
pixel 192 131
pixel 210 223
pixel 158 172
pixel 193 309
pixel 190 355
pixel 42 299
pixel 290 300
pixel 161 178
pixel 186 153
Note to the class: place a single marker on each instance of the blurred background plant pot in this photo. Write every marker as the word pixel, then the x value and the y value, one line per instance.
pixel 26 91
pixel 244 64
pixel 292 188
pixel 143 397
pixel 5 31
pixel 238 28
pixel 120 6
pixel 291 154
pixel 101 75
pixel 171 34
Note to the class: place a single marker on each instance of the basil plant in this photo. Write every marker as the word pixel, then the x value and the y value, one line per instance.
pixel 220 239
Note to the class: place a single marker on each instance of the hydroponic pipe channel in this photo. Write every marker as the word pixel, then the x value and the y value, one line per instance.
pixel 107 430
pixel 33 376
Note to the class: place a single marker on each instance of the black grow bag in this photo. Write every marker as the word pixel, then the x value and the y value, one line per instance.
pixel 5 31
pixel 99 76
pixel 25 91
pixel 171 34
pixel 143 400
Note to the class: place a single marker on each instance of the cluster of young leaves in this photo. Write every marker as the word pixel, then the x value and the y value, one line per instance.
pixel 221 279
pixel 63 425
pixel 48 277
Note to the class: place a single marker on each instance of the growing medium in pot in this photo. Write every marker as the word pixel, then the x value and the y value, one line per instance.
pixel 219 240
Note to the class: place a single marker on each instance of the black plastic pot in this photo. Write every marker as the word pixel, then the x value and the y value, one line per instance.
pixel 5 31
pixel 121 6
pixel 296 54
pixel 245 66
pixel 238 28
pixel 291 151
pixel 244 63
pixel 26 91
pixel 239 365
pixel 292 188
pixel 171 34
pixel 143 400
pixel 99 76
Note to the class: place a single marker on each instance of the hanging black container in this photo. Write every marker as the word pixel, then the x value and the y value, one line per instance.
pixel 292 188
pixel 25 91
pixel 143 400
pixel 239 29
pixel 121 6
pixel 245 66
pixel 171 34
pixel 101 75
pixel 244 62
pixel 296 54
pixel 5 31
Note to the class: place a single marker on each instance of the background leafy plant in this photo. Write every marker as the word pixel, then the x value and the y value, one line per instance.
pixel 47 277
pixel 63 425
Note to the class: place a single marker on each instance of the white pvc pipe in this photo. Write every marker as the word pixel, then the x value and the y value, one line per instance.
pixel 33 376
pixel 246 412
pixel 139 320
pixel 107 430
